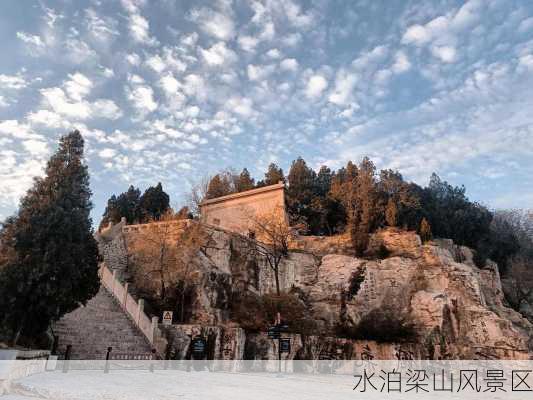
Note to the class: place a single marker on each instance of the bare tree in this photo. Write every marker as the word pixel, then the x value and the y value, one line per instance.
pixel 154 255
pixel 270 235
pixel 197 195
pixel 520 277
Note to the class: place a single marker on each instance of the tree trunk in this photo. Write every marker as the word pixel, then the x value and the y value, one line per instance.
pixel 276 275
pixel 16 335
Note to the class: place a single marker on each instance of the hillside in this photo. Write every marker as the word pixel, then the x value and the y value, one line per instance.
pixel 431 296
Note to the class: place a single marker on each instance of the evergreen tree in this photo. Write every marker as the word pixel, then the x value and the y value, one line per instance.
pixel 129 205
pixel 323 181
pixel 52 263
pixel 154 203
pixel 219 185
pixel 391 213
pixel 244 181
pixel 111 213
pixel 274 175
pixel 302 186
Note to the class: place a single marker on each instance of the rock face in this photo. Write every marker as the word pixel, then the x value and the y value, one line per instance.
pixel 457 309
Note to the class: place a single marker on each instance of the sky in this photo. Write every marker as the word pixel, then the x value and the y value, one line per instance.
pixel 170 91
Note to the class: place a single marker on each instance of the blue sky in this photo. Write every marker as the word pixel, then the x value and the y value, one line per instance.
pixel 173 90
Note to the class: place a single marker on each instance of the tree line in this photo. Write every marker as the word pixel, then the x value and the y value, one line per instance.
pixel 359 199
pixel 356 199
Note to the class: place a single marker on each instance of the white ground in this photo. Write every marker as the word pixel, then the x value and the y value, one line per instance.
pixel 179 384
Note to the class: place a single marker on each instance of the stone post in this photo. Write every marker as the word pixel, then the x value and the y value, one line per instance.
pixel 126 286
pixel 140 309
pixel 113 282
pixel 155 322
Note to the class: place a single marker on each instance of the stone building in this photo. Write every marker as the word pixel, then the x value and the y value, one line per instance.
pixel 236 212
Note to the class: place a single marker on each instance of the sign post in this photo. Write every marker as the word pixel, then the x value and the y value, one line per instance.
pixel 274 332
pixel 167 318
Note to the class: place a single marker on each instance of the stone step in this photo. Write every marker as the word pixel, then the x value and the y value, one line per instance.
pixel 102 323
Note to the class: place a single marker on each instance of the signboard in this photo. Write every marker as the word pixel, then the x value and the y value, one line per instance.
pixel 198 346
pixel 273 332
pixel 167 317
pixel 285 345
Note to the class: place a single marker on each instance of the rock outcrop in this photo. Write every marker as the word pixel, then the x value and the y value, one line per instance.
pixel 458 309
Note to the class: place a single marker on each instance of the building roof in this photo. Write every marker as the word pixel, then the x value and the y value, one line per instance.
pixel 247 193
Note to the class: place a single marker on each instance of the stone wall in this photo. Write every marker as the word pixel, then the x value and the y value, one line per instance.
pixel 236 211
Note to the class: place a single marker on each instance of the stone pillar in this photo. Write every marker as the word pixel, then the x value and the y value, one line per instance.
pixel 155 322
pixel 113 282
pixel 126 286
pixel 140 309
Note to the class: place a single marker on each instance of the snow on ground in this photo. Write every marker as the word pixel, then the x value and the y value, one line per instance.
pixel 163 385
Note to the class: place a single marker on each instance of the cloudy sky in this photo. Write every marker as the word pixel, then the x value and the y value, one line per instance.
pixel 171 90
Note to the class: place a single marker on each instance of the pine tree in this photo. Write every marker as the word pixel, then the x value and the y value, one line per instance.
pixel 425 230
pixel 391 213
pixel 219 185
pixel 323 181
pixel 274 175
pixel 154 203
pixel 53 262
pixel 244 181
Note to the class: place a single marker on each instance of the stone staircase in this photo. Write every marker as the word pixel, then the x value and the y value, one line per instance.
pixel 102 323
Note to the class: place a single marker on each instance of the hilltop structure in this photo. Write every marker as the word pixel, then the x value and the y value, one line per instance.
pixel 236 212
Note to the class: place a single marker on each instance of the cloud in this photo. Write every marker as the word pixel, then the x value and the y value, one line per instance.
pixel 133 59
pixel 296 17
pixel 35 44
pixel 107 153
pixel 36 147
pixel 444 53
pixel 45 118
pixel 315 86
pixel 15 82
pixel 169 84
pixel 12 127
pixel 273 54
pixel 259 72
pixel 70 101
pixel 248 43
pixel 401 63
pixel 138 25
pixel 102 29
pixel 443 32
pixel 142 99
pixel 289 64
pixel 242 106
pixel 156 63
pixel 218 54
pixel 78 86
pixel 194 85
pixel 342 94
pixel 78 52
pixel 416 34
pixel 214 23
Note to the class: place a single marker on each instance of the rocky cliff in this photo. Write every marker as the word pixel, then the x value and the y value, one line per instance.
pixel 457 309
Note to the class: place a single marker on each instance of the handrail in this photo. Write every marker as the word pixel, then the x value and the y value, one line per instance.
pixel 134 309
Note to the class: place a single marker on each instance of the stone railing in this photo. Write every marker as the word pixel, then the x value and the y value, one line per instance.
pixel 134 310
